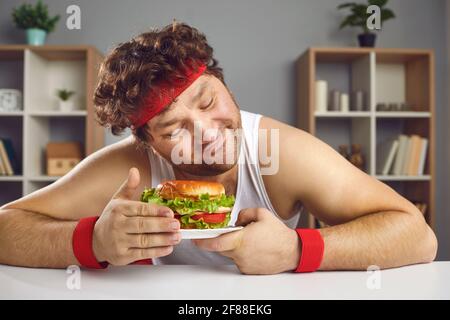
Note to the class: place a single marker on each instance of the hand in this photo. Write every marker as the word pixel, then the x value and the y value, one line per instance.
pixel 264 246
pixel 129 230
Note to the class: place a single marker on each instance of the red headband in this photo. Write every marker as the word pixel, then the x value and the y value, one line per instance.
pixel 167 91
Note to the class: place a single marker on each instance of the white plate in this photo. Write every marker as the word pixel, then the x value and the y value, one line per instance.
pixel 206 233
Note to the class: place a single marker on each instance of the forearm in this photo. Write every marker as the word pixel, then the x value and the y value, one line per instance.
pixel 386 239
pixel 33 240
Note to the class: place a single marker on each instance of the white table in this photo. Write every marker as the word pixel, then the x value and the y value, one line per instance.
pixel 427 281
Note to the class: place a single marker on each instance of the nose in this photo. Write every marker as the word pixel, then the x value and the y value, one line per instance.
pixel 206 130
pixel 210 134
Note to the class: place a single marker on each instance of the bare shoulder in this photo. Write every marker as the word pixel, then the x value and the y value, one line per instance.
pixel 301 156
pixel 291 141
pixel 281 138
pixel 282 144
pixel 87 189
pixel 286 131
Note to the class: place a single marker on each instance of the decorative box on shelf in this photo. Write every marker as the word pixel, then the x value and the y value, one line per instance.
pixel 62 157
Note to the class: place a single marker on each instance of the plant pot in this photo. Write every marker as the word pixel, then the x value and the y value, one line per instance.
pixel 36 37
pixel 66 106
pixel 367 39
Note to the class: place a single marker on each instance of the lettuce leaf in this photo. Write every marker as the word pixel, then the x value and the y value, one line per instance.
pixel 188 206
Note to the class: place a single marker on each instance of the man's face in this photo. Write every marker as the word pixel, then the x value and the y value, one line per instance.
pixel 200 127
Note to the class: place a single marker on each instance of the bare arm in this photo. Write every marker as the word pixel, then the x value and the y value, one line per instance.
pixel 36 230
pixel 34 240
pixel 371 224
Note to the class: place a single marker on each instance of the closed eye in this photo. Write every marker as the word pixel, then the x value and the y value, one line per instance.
pixel 208 105
pixel 174 133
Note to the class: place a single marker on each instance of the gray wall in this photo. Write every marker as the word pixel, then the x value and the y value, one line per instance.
pixel 257 42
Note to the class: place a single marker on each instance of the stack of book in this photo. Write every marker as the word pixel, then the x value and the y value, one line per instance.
pixel 405 155
pixel 8 161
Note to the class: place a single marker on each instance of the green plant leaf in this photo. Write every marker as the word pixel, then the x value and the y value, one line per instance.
pixel 380 3
pixel 346 5
pixel 348 21
pixel 64 94
pixel 360 10
pixel 358 14
pixel 386 14
pixel 27 16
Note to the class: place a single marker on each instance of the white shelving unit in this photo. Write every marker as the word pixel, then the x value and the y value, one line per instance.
pixel 38 72
pixel 386 76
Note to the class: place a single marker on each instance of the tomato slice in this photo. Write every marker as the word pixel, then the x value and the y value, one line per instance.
pixel 210 217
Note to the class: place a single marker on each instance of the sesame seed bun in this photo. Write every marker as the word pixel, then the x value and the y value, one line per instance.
pixel 190 189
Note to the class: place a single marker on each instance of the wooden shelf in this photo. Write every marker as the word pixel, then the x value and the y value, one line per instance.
pixel 386 76
pixel 12 114
pixel 38 72
pixel 403 178
pixel 11 178
pixel 56 113
pixel 405 114
pixel 43 178
pixel 341 114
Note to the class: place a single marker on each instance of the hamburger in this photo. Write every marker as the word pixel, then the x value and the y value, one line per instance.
pixel 196 204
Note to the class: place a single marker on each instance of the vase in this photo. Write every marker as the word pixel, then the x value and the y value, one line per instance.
pixel 367 40
pixel 36 37
pixel 66 106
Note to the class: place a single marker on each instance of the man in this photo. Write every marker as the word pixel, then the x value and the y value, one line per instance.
pixel 167 81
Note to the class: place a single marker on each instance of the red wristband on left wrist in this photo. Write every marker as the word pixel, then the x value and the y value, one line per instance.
pixel 312 250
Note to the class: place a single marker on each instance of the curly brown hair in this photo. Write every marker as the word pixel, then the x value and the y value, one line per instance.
pixel 133 68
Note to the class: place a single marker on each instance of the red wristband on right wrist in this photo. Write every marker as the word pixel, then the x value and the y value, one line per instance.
pixel 82 244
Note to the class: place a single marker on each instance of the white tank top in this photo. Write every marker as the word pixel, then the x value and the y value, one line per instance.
pixel 250 193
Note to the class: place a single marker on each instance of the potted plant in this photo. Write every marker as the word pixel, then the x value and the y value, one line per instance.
pixel 65 104
pixel 358 18
pixel 35 20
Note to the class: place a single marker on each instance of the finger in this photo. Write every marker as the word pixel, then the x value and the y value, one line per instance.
pixel 225 242
pixel 131 208
pixel 153 240
pixel 250 215
pixel 136 225
pixel 149 253
pixel 129 186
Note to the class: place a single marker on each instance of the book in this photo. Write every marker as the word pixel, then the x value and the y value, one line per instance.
pixel 414 155
pixel 407 157
pixel 398 163
pixel 385 156
pixel 2 167
pixel 423 156
pixel 5 159
pixel 11 155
